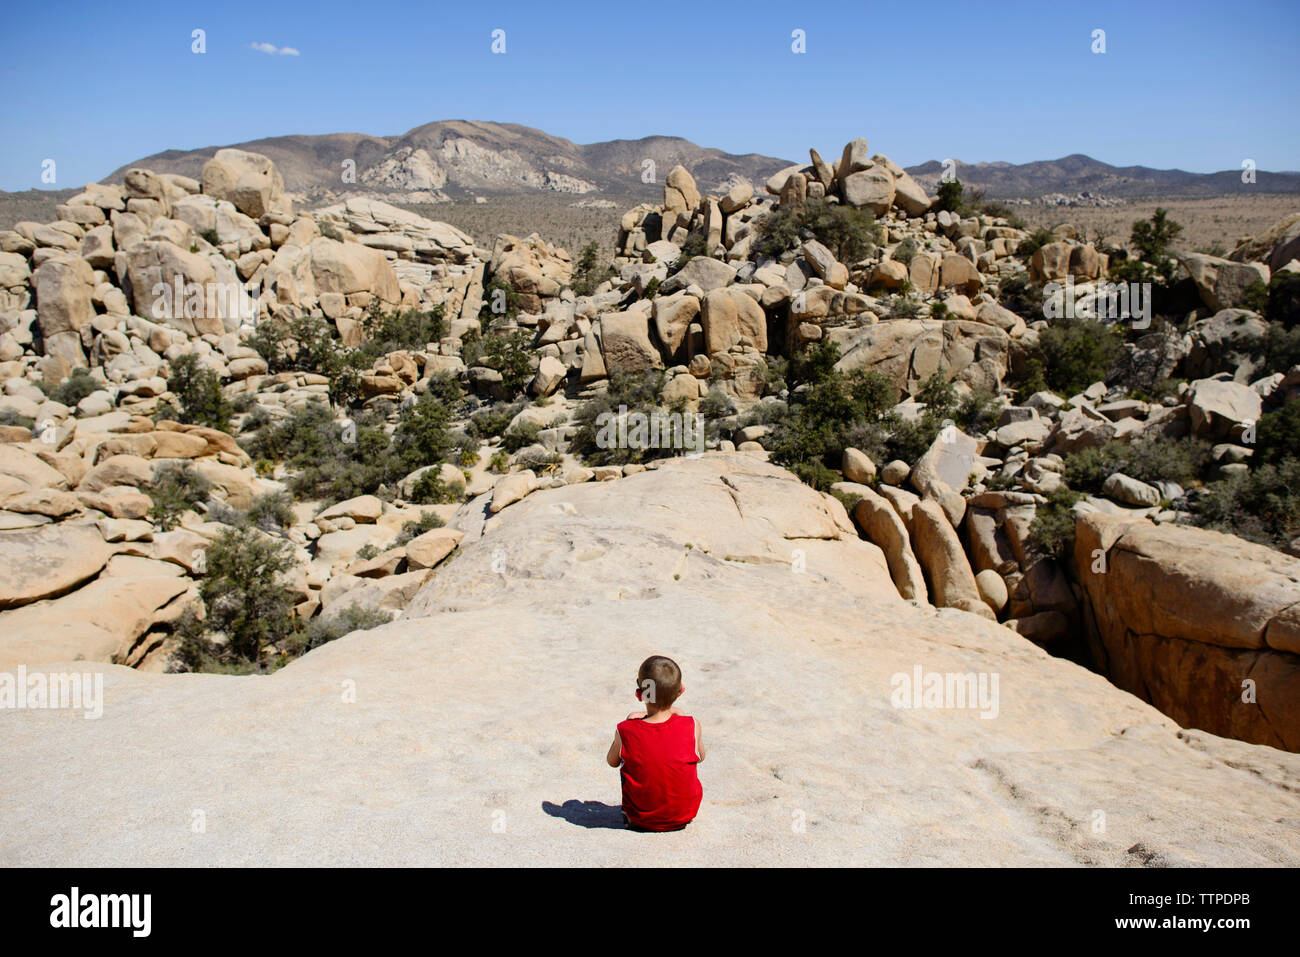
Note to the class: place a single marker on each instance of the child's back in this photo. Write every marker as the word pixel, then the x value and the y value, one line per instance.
pixel 661 788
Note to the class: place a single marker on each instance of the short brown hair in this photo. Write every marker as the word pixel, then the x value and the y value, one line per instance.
pixel 660 680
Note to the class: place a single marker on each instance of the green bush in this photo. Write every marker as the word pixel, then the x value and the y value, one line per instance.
pixel 271 512
pixel 1262 506
pixel 430 489
pixel 949 197
pixel 492 421
pixel 198 390
pixel 829 411
pixel 422 436
pixel 1283 303
pixel 850 234
pixel 1277 435
pixel 1278 349
pixel 176 489
pixel 334 462
pixel 510 354
pixel 79 384
pixel 405 329
pixel 10 417
pixel 321 631
pixel 1034 241
pixel 525 433
pixel 1052 530
pixel 1172 460
pixel 589 272
pixel 244 600
pixel 639 392
pixel 905 252
pixel 1077 352
pixel 427 523
pixel 1152 238
pixel 500 301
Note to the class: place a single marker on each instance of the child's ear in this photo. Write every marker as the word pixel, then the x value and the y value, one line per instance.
pixel 638 694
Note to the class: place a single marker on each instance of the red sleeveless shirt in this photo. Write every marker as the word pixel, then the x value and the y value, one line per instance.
pixel 661 789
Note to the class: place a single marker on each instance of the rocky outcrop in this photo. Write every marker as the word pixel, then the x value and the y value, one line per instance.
pixel 776 662
pixel 1203 625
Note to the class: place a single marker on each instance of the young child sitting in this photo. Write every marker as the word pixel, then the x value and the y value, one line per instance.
pixel 658 751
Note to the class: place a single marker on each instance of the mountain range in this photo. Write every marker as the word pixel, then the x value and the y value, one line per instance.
pixel 454 158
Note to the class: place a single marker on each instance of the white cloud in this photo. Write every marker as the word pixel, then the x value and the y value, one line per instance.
pixel 273 49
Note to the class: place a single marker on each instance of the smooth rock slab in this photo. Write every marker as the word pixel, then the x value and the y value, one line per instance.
pixel 48 561
pixel 790 673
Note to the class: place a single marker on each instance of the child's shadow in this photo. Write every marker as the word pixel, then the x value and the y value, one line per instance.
pixel 588 813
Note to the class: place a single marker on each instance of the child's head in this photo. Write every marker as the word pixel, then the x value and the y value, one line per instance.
pixel 659 682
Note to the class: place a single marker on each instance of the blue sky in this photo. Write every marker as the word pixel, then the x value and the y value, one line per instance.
pixel 1194 85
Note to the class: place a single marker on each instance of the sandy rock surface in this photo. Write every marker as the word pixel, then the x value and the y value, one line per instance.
pixel 491 702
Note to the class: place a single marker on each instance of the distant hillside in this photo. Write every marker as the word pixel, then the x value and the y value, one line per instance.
pixel 455 158
pixel 458 160
pixel 1077 173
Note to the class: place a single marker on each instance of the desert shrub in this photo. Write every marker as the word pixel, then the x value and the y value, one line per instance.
pixel 1151 460
pixel 334 461
pixel 975 412
pixel 446 388
pixel 639 392
pixel 1019 294
pixel 244 600
pixel 589 272
pixel 525 433
pixel 1278 349
pixel 175 489
pixel 271 340
pixel 430 489
pixel 847 232
pixel 1283 301
pixel 466 453
pixel 849 500
pixel 510 354
pixel 422 436
pixel 79 384
pixel 828 411
pixel 1152 238
pixel 493 420
pixel 427 523
pixel 949 197
pixel 10 417
pixel 1277 435
pixel 1077 352
pixel 366 552
pixel 500 300
pixel 716 404
pixel 321 631
pixel 905 252
pixel 695 245
pixel 1262 505
pixel 1052 530
pixel 978 411
pixel 400 329
pixel 271 512
pixel 901 307
pixel 198 390
pixel 1035 241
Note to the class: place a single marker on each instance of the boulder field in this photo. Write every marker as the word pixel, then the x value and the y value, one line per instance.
pixel 472 730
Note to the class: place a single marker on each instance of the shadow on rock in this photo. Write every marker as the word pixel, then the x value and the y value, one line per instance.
pixel 588 813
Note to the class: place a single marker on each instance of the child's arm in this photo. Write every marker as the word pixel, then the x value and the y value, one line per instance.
pixel 613 758
pixel 699 739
